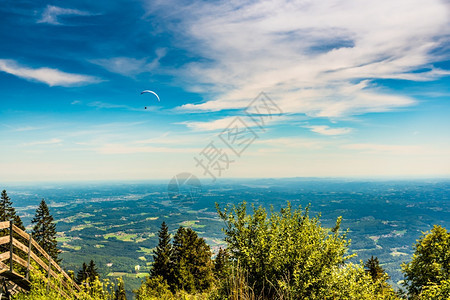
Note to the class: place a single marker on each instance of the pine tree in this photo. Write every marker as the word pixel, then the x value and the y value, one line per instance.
pixel 87 272
pixel 82 274
pixel 7 211
pixel 192 265
pixel 44 231
pixel 222 264
pixel 373 268
pixel 92 271
pixel 120 292
pixel 161 258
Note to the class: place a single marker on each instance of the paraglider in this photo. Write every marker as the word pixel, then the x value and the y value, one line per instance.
pixel 151 92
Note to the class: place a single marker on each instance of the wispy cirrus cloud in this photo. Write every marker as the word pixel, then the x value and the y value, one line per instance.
pixel 129 66
pixel 127 149
pixel 393 149
pixel 52 77
pixel 51 13
pixel 316 58
pixel 327 130
pixel 52 141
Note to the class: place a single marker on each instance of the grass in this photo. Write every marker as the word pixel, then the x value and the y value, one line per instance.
pixel 121 236
pixel 147 251
pixel 63 239
pixel 67 246
pixel 191 224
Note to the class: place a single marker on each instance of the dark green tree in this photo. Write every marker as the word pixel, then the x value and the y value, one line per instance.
pixel 87 272
pixel 44 231
pixel 430 264
pixel 92 271
pixel 120 291
pixel 192 265
pixel 161 258
pixel 82 274
pixel 222 264
pixel 8 212
pixel 373 268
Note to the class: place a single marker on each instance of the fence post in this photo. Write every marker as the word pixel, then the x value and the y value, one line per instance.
pixel 11 245
pixel 49 269
pixel 29 254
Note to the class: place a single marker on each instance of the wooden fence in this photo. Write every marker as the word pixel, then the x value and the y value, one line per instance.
pixel 19 250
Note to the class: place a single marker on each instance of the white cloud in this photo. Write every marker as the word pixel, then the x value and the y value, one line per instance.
pixel 326 130
pixel 393 149
pixel 51 14
pixel 52 77
pixel 129 66
pixel 125 149
pixel 313 57
pixel 218 124
pixel 52 141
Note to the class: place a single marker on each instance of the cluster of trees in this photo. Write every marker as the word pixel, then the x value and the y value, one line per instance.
pixel 288 255
pixel 43 230
pixel 182 265
pixel 44 233
pixel 269 255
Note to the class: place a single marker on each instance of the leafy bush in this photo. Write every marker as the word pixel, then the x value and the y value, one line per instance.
pixel 289 255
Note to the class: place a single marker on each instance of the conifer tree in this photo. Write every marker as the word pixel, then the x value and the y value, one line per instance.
pixel 92 271
pixel 87 272
pixel 373 268
pixel 44 231
pixel 191 257
pixel 161 258
pixel 7 211
pixel 222 264
pixel 82 274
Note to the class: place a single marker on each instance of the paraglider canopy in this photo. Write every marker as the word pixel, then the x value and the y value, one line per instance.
pixel 152 92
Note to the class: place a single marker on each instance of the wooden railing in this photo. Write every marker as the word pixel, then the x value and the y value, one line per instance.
pixel 14 251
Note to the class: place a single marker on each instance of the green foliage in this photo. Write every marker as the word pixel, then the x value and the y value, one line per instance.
pixel 8 212
pixel 87 272
pixel 436 291
pixel 430 265
pixel 222 264
pixel 285 249
pixel 289 255
pixel 192 266
pixel 162 257
pixel 352 282
pixel 183 266
pixel 120 291
pixel 92 290
pixel 373 268
pixel 154 288
pixel 44 231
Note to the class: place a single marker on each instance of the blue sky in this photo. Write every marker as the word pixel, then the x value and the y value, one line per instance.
pixel 363 88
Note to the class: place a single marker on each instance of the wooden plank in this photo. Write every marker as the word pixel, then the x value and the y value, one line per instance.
pixel 4 240
pixel 38 260
pixel 4 256
pixel 20 246
pixel 17 279
pixel 21 232
pixel 19 260
pixel 3 266
pixel 4 225
pixel 39 248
